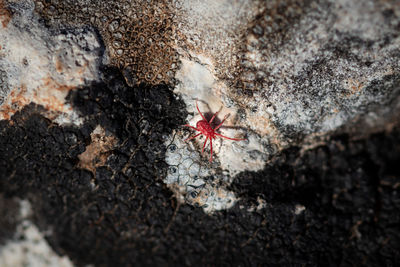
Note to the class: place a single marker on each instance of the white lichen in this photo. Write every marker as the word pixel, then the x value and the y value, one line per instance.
pixel 193 179
pixel 29 248
pixel 42 67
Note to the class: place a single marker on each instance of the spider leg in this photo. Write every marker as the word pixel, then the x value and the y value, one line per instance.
pixel 215 114
pixel 187 125
pixel 234 139
pixel 213 117
pixel 190 138
pixel 201 114
pixel 211 149
pixel 226 116
pixel 205 142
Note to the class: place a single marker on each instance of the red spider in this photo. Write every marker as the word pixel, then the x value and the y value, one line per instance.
pixel 204 127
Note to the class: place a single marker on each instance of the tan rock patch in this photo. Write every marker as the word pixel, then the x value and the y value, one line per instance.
pixel 97 152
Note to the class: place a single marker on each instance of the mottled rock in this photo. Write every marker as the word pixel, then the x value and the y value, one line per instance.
pixel 299 68
pixel 93 96
pixel 41 66
pixel 291 69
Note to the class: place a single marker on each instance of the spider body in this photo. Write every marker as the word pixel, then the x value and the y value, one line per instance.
pixel 204 127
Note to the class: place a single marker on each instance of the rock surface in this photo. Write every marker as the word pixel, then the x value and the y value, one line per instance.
pixel 93 96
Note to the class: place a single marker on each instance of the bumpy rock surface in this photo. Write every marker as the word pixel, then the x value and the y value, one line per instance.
pixel 93 96
pixel 337 203
pixel 139 36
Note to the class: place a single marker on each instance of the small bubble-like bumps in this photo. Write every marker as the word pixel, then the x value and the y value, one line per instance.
pixel 138 35
pixel 191 179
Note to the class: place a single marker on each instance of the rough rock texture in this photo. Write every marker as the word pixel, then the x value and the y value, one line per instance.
pixel 302 67
pixel 93 96
pixel 8 221
pixel 337 203
pixel 41 66
pixel 139 35
pixel 29 246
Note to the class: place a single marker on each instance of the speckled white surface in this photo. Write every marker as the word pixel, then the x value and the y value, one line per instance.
pixel 42 67
pixel 29 248
pixel 195 180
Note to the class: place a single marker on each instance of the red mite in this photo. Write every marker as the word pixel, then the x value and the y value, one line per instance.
pixel 204 127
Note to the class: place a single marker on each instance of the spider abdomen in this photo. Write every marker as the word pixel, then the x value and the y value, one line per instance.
pixel 205 128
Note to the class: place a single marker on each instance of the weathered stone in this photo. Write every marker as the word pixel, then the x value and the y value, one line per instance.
pixel 93 96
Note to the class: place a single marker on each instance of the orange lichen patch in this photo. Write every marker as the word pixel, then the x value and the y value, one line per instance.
pixel 52 103
pixel 5 14
pixel 262 124
pixel 59 65
pixel 97 152
pixel 51 84
pixel 51 96
pixel 353 87
pixel 16 100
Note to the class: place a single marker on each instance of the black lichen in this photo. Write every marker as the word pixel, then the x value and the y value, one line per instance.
pixel 124 214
